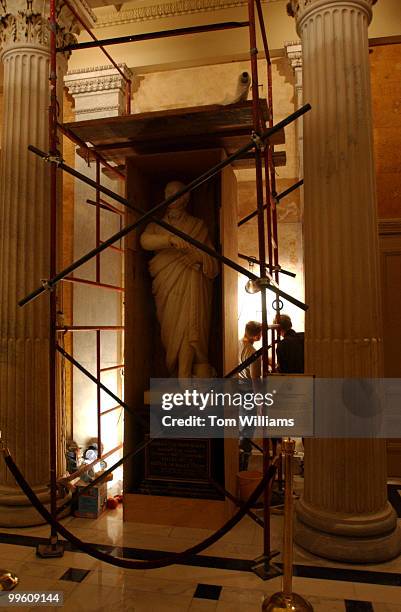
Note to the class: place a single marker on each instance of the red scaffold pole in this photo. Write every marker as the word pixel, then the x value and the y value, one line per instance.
pixel 98 332
pixel 257 126
pixel 261 237
pixel 263 566
pixel 52 270
pixel 116 66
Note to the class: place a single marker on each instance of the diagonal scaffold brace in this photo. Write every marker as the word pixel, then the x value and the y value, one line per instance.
pixel 277 198
pixel 148 215
pixel 125 406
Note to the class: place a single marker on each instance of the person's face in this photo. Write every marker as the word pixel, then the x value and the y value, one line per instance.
pixel 171 189
pixel 257 337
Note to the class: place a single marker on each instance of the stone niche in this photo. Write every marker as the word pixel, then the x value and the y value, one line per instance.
pixel 169 482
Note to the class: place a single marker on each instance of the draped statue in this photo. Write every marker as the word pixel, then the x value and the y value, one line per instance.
pixel 182 287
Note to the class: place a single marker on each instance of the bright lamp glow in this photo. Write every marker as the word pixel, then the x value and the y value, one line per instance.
pixel 256 285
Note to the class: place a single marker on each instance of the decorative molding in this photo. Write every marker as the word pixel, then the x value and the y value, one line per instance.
pixel 168 9
pixel 96 79
pixel 389 226
pixel 294 53
pixel 92 85
pixel 384 40
pixel 127 71
pixel 300 8
pixel 98 109
pixel 90 13
pixel 23 22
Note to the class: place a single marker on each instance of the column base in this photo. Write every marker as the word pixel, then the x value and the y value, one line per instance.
pixel 25 515
pixel 349 544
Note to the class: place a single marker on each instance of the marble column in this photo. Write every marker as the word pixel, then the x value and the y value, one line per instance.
pixel 344 513
pixel 24 246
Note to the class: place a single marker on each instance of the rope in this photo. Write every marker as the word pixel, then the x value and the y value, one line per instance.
pixel 92 551
pixel 123 404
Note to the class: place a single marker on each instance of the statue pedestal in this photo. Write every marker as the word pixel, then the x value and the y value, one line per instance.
pixel 169 481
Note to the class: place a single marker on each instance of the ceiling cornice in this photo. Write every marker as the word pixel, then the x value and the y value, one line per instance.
pixel 164 10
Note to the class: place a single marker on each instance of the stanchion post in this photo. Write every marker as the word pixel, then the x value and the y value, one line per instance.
pixel 286 600
pixel 8 579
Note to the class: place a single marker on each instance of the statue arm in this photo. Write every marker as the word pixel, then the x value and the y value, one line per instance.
pixel 210 265
pixel 152 241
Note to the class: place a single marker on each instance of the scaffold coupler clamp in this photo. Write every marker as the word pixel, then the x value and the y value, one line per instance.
pixel 54 159
pixel 258 142
pixel 46 284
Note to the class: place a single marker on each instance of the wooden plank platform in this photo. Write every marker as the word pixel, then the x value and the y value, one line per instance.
pixel 177 511
pixel 228 127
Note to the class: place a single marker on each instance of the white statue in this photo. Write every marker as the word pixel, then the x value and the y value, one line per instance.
pixel 182 286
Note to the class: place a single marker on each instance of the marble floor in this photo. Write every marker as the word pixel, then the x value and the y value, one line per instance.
pixel 220 579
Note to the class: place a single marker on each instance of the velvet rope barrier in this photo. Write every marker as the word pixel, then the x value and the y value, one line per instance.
pixel 140 447
pixel 171 559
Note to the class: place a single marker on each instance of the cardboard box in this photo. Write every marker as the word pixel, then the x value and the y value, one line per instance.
pixel 91 503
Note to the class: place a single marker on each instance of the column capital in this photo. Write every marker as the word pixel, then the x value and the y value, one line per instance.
pixel 300 9
pixel 23 23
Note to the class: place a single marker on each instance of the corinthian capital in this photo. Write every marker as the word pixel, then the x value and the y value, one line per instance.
pixel 26 23
pixel 302 8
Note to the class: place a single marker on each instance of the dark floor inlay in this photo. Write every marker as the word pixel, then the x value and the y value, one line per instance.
pixel 352 605
pixel 74 574
pixel 208 591
pixel 347 575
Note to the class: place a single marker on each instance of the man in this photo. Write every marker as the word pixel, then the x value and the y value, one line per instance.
pixel 290 350
pixel 248 379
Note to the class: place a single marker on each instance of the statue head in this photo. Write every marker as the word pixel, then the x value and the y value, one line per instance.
pixel 171 188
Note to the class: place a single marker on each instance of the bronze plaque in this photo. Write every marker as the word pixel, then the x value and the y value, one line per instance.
pixel 187 460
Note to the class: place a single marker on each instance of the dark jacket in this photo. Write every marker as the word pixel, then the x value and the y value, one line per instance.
pixel 290 353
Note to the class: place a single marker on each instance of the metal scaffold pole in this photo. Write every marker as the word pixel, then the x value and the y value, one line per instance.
pixel 54 548
pixel 268 281
pixel 263 163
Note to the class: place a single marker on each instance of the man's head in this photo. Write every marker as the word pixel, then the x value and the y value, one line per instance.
pixel 285 323
pixel 253 331
pixel 171 188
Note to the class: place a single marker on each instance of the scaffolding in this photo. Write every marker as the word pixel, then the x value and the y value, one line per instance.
pixel 268 257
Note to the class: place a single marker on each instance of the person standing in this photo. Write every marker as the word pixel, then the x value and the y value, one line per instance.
pixel 248 379
pixel 290 350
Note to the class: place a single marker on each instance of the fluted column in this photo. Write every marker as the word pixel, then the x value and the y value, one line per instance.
pixel 24 246
pixel 344 513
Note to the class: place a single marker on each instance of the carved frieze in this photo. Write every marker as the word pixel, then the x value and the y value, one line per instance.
pixel 164 10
